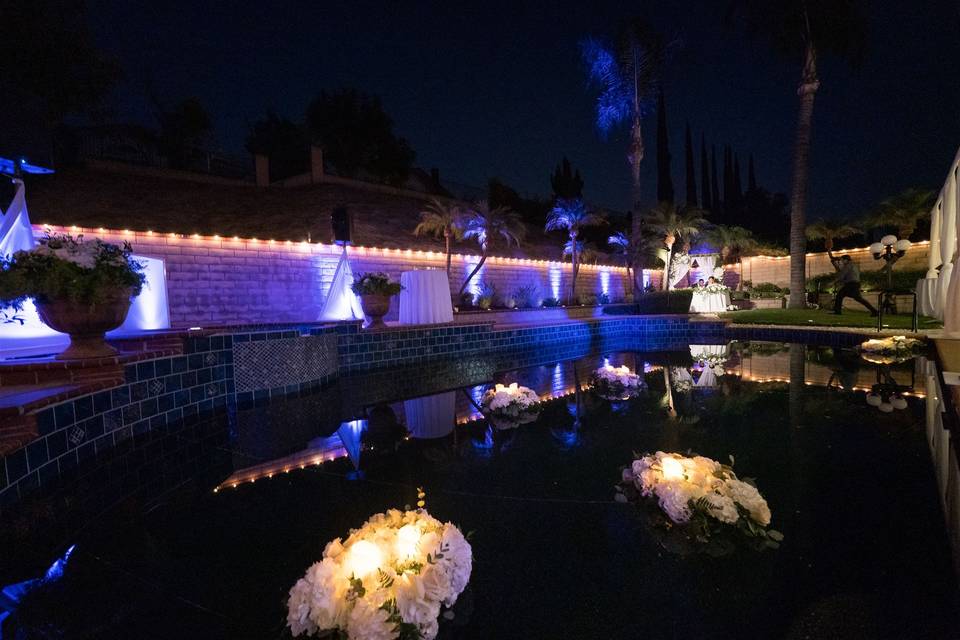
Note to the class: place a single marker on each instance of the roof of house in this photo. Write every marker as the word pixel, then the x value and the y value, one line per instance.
pixel 140 199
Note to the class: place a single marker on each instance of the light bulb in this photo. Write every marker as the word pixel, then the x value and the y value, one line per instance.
pixel 408 537
pixel 672 469
pixel 365 558
pixel 876 248
pixel 902 245
pixel 888 240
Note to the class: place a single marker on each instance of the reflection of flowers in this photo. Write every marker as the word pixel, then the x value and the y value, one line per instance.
pixel 680 379
pixel 702 495
pixel 389 578
pixel 508 407
pixel 615 382
pixel 890 350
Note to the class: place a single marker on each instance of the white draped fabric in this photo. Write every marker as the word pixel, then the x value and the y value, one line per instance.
pixel 707 379
pixel 705 266
pixel 425 298
pixel 431 416
pixel 938 295
pixel 16 234
pixel 341 302
pixel 703 302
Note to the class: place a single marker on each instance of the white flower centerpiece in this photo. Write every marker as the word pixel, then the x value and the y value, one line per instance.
pixel 701 497
pixel 891 349
pixel 680 378
pixel 508 407
pixel 388 579
pixel 716 287
pixel 618 383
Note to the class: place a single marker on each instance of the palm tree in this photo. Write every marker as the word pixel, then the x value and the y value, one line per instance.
pixel 674 223
pixel 483 224
pixel 902 211
pixel 804 28
pixel 627 74
pixel 636 250
pixel 572 215
pixel 828 230
pixel 441 221
pixel 732 241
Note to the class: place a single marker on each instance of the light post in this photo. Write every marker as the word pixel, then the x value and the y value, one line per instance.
pixel 887 395
pixel 889 249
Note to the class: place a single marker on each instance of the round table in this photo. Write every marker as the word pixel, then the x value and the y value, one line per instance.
pixel 703 302
pixel 425 298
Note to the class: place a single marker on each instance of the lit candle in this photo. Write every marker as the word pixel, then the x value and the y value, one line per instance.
pixel 672 469
pixel 365 558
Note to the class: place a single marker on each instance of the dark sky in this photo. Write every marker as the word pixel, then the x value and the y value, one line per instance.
pixel 497 89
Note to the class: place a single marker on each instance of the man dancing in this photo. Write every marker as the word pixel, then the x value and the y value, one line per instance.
pixel 848 278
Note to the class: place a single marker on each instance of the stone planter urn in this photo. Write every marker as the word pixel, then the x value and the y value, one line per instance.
pixel 86 324
pixel 375 306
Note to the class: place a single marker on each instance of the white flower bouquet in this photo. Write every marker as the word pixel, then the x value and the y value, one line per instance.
pixel 681 381
pixel 716 288
pixel 508 407
pixel 388 579
pixel 701 496
pixel 890 350
pixel 619 383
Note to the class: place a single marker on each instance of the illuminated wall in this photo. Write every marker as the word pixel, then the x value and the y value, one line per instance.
pixel 218 280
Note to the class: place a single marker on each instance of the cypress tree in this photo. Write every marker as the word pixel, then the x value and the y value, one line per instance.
pixel 691 172
pixel 715 185
pixel 664 181
pixel 706 196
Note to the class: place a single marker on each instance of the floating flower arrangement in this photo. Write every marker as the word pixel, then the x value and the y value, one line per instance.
pixel 700 497
pixel 388 579
pixel 508 407
pixel 890 350
pixel 617 383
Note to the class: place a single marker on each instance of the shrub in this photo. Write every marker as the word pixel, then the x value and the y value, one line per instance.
pixel 62 267
pixel 872 280
pixel 485 296
pixel 375 284
pixel 677 301
pixel 551 302
pixel 603 298
pixel 527 296
pixel 466 299
pixel 747 284
pixel 587 299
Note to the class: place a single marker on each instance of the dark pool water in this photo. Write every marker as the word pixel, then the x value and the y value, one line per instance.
pixel 160 554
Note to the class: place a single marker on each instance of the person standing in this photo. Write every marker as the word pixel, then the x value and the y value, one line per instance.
pixel 848 280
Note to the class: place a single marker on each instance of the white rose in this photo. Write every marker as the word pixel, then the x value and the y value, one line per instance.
pixel 327 596
pixel 415 606
pixel 298 609
pixel 674 501
pixel 723 508
pixel 369 622
pixel 747 496
pixel 457 561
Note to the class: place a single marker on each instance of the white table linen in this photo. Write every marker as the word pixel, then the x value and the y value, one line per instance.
pixel 425 298
pixel 703 302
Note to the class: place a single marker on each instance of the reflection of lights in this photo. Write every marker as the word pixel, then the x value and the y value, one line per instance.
pixel 333 448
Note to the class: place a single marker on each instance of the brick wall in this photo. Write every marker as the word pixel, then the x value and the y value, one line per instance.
pixel 777 269
pixel 212 280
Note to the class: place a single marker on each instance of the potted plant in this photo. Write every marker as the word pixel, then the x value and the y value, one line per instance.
pixel 80 288
pixel 375 291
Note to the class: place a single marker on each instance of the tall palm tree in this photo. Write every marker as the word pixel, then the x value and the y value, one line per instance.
pixel 571 214
pixel 627 74
pixel 441 220
pixel 674 223
pixel 732 241
pixel 902 211
pixel 486 225
pixel 642 249
pixel 804 29
pixel 829 230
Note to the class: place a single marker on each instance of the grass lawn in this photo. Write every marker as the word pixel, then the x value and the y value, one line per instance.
pixel 823 318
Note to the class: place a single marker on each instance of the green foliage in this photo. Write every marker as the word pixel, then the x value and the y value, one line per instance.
pixel 485 295
pixel 375 284
pixel 527 296
pixel 66 268
pixel 873 280
pixel 551 302
pixel 283 142
pixel 357 136
pixel 655 302
pixel 182 129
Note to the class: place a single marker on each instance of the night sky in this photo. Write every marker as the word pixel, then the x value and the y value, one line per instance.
pixel 498 89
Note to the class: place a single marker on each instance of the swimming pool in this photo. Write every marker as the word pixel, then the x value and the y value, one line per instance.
pixel 202 530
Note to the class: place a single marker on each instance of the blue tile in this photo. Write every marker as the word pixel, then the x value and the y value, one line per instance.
pixel 63 415
pixel 162 367
pixel 101 402
pixel 16 465
pixel 180 364
pixel 131 413
pixel 83 408
pixel 139 391
pixel 37 453
pixel 130 373
pixel 120 396
pixel 57 443
pixel 145 370
pixel 48 473
pixel 45 422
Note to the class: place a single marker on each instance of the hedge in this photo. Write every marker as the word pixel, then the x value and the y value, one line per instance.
pixel 873 280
